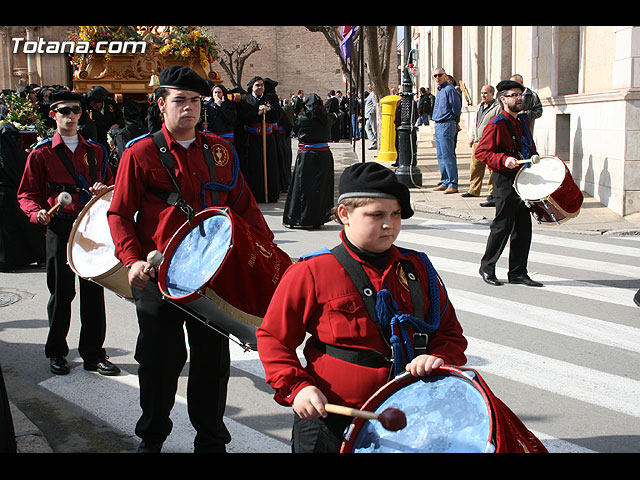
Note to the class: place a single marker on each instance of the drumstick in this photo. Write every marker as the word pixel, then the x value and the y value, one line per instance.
pixel 154 259
pixel 390 418
pixel 64 199
pixel 533 159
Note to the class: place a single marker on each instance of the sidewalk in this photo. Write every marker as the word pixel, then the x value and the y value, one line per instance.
pixel 594 217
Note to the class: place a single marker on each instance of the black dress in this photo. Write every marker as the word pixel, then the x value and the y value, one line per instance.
pixel 310 197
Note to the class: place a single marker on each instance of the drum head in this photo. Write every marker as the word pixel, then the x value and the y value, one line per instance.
pixel 90 249
pixel 540 179
pixel 445 414
pixel 198 256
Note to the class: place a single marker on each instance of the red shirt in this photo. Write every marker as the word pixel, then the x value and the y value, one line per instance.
pixel 44 167
pixel 496 143
pixel 141 222
pixel 316 296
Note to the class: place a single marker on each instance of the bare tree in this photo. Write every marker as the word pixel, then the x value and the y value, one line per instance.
pixel 233 64
pixel 380 42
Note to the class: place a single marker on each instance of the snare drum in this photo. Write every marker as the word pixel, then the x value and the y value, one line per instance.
pixel 90 249
pixel 223 271
pixel 549 191
pixel 450 411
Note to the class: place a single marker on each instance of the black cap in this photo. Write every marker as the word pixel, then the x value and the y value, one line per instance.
pixel 373 180
pixel 184 78
pixel 63 95
pixel 505 85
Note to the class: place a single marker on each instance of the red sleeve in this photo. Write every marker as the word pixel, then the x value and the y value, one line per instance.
pixel 124 205
pixel 32 189
pixel 448 342
pixel 488 151
pixel 283 330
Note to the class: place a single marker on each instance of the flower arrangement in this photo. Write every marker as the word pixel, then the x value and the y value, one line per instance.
pixel 23 114
pixel 94 34
pixel 190 42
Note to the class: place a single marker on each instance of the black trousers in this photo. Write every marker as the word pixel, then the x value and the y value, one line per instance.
pixel 61 282
pixel 161 352
pixel 512 223
pixel 318 435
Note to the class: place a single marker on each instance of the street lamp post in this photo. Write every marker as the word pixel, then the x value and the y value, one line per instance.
pixel 407 172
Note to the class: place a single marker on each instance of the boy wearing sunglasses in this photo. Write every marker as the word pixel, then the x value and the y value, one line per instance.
pixel 67 163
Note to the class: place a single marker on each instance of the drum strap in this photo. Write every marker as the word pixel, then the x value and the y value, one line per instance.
pixel 81 182
pixel 525 151
pixel 175 198
pixel 381 306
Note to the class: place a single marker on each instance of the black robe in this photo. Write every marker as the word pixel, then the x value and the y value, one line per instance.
pixel 310 198
pixel 252 122
pixel 21 242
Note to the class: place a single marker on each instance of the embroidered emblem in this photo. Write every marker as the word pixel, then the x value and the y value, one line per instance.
pixel 220 155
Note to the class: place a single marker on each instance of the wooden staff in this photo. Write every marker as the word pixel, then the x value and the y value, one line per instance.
pixel 264 153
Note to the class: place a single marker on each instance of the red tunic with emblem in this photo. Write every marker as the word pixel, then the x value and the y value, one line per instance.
pixel 316 296
pixel 44 167
pixel 496 143
pixel 141 222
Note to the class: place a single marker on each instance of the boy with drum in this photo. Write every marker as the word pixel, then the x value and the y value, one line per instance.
pixel 67 163
pixel 163 179
pixel 371 309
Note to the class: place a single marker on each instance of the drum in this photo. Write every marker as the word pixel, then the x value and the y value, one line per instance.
pixel 90 249
pixel 549 191
pixel 450 411
pixel 223 271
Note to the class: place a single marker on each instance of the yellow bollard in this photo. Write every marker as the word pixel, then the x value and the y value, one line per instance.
pixel 388 129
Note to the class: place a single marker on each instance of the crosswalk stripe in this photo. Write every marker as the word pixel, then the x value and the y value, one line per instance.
pixel 549 320
pixel 576 288
pixel 540 238
pixel 609 391
pixel 611 268
pixel 116 401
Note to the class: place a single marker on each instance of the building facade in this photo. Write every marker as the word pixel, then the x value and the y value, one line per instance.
pixel 587 77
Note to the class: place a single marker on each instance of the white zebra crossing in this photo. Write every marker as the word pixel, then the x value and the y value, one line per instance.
pixel 539 370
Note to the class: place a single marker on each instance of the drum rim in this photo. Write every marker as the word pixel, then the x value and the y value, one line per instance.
pixel 74 229
pixel 175 240
pixel 405 379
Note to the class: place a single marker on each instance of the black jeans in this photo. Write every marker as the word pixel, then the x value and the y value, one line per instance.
pixel 162 354
pixel 62 287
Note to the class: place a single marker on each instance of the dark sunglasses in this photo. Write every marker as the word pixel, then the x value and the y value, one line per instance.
pixel 436 75
pixel 65 110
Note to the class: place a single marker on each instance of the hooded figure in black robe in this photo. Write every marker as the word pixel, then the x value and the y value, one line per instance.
pixel 21 242
pixel 310 198
pixel 282 135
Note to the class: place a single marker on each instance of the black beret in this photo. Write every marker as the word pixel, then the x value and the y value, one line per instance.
pixel 505 85
pixel 373 180
pixel 184 78
pixel 63 95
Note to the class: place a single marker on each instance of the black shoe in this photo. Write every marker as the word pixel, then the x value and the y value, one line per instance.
pixel 149 447
pixel 467 195
pixel 636 298
pixel 103 367
pixel 490 203
pixel 59 365
pixel 525 280
pixel 490 278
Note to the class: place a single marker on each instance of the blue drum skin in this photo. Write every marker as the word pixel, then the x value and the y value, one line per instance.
pixel 445 414
pixel 198 256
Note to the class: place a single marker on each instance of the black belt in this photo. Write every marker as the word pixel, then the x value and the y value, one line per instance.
pixel 359 356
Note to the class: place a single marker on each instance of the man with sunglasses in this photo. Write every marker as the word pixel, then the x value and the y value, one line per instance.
pixel 505 140
pixel 446 115
pixel 67 162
